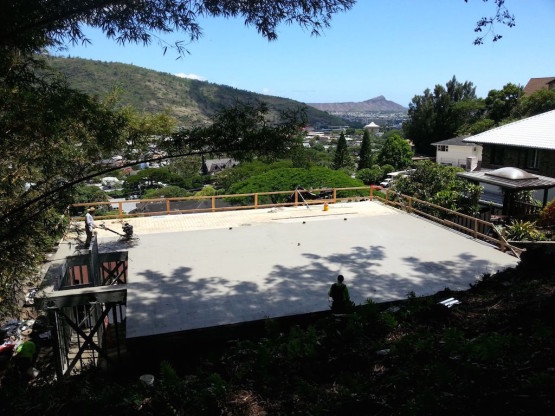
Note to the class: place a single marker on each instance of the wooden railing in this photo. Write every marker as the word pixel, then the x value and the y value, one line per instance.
pixel 300 198
pixel 525 210
pixel 479 228
pixel 476 227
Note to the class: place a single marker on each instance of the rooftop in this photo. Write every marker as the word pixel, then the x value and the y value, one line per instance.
pixel 510 178
pixel 455 141
pixel 535 84
pixel 532 132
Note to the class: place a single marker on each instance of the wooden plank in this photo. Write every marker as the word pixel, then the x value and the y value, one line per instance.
pixel 81 296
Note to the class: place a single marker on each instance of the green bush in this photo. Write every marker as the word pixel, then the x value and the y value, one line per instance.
pixel 166 192
pixel 524 230
pixel 547 216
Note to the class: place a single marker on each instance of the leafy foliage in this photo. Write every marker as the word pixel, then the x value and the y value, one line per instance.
pixel 502 16
pixel 290 178
pixel 374 175
pixel 396 152
pixel 438 115
pixel 227 178
pixel 88 193
pixel 524 231
pixel 190 102
pixel 342 156
pixel 501 104
pixel 365 154
pixel 171 191
pixel 538 102
pixel 55 22
pixel 441 185
pixel 547 216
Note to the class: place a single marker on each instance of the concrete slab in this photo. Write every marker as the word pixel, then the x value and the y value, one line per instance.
pixel 202 270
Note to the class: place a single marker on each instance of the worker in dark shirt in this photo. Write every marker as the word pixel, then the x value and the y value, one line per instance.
pixel 339 294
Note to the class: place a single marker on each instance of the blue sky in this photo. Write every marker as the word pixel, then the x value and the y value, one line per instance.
pixel 395 48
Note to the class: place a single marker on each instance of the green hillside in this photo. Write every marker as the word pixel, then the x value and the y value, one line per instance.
pixel 189 101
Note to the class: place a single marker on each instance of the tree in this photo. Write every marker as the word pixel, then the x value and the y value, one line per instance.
pixel 440 185
pixel 395 151
pixel 206 191
pixel 52 136
pixel 538 102
pixel 29 26
pixel 284 179
pixel 165 192
pixel 439 115
pixel 365 156
pixel 204 168
pixel 342 157
pixel 87 193
pixel 186 166
pixel 500 104
pixel 502 15
pixel 369 176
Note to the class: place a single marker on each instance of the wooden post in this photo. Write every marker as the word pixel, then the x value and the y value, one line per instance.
pixel 296 197
pixel 503 239
pixel 255 201
pixel 387 195
pixel 475 228
pixel 334 195
pixel 410 204
pixel 213 203
pixel 120 209
pixel 167 206
pixel 371 193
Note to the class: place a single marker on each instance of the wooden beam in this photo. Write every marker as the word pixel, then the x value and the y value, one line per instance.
pixel 83 296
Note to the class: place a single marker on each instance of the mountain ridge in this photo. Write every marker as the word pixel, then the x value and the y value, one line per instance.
pixel 378 104
pixel 190 101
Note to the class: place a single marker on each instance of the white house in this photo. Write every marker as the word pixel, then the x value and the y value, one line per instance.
pixel 372 128
pixel 456 152
pixel 527 144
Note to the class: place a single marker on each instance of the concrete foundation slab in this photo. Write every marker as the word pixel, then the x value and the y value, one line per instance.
pixel 202 270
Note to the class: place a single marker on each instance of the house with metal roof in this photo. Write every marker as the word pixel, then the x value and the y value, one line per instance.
pixel 528 144
pixel 457 152
pixel 525 146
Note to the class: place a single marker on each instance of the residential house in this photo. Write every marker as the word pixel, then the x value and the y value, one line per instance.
pixel 457 152
pixel 372 128
pixel 535 84
pixel 217 165
pixel 528 145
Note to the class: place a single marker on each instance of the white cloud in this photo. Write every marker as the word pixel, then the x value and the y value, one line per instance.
pixel 190 76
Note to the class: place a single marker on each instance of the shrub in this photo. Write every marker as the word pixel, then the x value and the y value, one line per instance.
pixel 524 230
pixel 547 216
pixel 166 192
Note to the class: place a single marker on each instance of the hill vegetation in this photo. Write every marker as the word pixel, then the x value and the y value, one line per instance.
pixel 190 101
